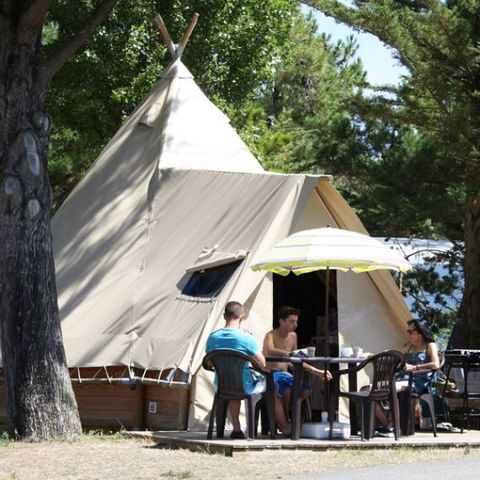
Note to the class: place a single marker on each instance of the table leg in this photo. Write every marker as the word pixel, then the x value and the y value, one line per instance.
pixel 327 386
pixel 296 400
pixel 352 387
pixel 407 427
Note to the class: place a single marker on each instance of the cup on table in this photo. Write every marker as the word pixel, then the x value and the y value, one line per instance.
pixel 311 351
pixel 347 352
pixel 357 352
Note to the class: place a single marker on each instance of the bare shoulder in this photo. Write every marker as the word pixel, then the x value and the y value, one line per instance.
pixel 270 334
pixel 292 340
pixel 268 341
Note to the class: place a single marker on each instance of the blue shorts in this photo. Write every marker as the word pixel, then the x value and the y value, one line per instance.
pixel 284 380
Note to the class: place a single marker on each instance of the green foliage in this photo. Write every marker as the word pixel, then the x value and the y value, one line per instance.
pixel 395 186
pixel 437 296
pixel 437 41
pixel 439 103
pixel 304 121
pixel 231 54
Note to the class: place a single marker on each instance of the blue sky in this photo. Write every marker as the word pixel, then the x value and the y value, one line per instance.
pixel 382 68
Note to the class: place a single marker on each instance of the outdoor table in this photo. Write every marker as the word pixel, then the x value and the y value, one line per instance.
pixel 297 365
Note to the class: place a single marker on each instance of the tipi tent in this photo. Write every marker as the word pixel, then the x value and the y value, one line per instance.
pixel 123 277
pixel 160 234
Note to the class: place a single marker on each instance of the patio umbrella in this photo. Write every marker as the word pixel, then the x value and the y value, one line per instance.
pixel 329 248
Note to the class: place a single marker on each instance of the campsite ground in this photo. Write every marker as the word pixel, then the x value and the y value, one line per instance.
pixel 113 456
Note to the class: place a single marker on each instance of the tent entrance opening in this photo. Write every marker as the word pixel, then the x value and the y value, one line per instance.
pixel 307 292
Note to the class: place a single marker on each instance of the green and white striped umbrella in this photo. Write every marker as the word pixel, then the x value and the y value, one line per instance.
pixel 330 248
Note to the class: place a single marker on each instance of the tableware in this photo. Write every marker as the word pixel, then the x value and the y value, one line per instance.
pixel 311 351
pixel 357 352
pixel 347 352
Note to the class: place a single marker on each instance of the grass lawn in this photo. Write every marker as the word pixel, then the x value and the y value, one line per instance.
pixel 96 456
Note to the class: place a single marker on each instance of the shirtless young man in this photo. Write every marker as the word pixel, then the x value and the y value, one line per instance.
pixel 281 341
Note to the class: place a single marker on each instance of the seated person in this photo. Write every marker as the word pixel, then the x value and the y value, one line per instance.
pixel 232 338
pixel 282 341
pixel 421 360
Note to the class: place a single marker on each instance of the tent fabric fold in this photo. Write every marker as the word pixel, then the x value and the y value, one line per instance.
pixel 130 299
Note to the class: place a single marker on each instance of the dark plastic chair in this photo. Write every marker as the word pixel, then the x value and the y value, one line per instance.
pixel 228 366
pixel 385 365
pixel 467 363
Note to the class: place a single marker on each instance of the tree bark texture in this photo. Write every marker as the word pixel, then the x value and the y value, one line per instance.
pixel 470 323
pixel 40 400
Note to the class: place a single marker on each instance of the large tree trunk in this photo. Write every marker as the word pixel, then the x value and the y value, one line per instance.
pixel 40 400
pixel 470 322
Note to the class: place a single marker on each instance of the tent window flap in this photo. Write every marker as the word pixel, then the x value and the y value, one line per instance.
pixel 210 258
pixel 209 283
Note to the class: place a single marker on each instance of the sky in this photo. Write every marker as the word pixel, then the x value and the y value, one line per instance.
pixel 381 67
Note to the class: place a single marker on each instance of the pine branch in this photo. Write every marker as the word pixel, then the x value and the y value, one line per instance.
pixel 57 60
pixel 349 16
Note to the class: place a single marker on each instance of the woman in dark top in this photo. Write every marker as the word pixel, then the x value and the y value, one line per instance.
pixel 421 360
pixel 422 356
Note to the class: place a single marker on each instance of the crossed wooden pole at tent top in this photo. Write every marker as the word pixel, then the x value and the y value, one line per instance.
pixel 175 50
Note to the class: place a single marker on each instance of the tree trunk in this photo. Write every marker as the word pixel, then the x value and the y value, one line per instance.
pixel 40 400
pixel 470 323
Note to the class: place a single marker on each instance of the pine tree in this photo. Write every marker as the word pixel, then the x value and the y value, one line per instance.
pixel 438 42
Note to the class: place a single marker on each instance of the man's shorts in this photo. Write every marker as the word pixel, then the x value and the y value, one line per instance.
pixel 284 380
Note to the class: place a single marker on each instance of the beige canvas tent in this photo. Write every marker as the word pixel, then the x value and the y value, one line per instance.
pixel 160 234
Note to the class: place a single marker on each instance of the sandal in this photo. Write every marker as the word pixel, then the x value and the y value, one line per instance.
pixel 237 435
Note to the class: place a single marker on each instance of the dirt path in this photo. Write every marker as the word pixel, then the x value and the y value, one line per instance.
pixel 131 459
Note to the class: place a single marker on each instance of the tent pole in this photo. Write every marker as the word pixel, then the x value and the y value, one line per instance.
pixel 166 36
pixel 187 34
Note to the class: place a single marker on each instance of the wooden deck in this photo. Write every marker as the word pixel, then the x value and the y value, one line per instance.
pixel 197 441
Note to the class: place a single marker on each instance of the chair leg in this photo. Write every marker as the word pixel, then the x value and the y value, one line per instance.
pixel 261 414
pixel 307 406
pixel 212 419
pixel 369 413
pixel 250 411
pixel 446 411
pixel 363 423
pixel 412 405
pixel 395 414
pixel 406 420
pixel 222 409
pixel 464 412
pixel 252 417
pixel 269 399
pixel 428 398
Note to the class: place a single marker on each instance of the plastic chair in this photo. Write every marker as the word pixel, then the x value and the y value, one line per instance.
pixel 228 366
pixel 466 364
pixel 385 365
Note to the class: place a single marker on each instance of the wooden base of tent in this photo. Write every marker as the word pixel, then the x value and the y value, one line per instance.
pixel 113 406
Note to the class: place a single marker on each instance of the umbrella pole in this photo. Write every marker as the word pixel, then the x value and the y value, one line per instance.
pixel 327 300
pixel 327 320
